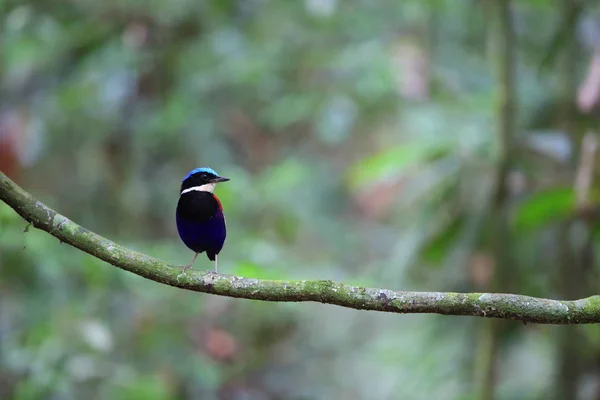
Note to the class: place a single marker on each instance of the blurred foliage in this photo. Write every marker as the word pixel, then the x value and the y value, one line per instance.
pixel 545 207
pixel 360 142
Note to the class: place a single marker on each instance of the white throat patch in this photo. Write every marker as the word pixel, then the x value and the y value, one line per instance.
pixel 209 187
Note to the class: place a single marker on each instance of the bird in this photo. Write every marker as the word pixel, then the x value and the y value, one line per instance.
pixel 199 214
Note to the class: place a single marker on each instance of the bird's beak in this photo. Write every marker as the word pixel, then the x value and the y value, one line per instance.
pixel 219 179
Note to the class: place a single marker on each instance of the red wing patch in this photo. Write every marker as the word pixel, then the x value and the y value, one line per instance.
pixel 218 202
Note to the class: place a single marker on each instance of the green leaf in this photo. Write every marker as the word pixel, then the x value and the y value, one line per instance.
pixel 392 162
pixel 146 387
pixel 248 268
pixel 545 207
pixel 437 248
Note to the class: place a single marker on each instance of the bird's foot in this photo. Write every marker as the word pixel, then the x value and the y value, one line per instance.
pixel 185 268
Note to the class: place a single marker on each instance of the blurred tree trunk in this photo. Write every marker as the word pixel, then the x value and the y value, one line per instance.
pixel 571 269
pixel 503 59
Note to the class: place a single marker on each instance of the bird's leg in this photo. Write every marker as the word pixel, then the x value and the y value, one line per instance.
pixel 216 264
pixel 186 267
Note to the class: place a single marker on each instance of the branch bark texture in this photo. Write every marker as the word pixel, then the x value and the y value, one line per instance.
pixel 490 305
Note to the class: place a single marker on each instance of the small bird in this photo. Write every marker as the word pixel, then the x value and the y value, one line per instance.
pixel 199 214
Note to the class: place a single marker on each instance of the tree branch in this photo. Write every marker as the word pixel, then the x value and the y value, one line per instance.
pixel 506 306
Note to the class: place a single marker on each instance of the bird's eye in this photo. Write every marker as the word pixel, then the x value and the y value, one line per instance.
pixel 204 176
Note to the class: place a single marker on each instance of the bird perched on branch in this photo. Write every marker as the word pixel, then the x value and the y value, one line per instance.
pixel 199 215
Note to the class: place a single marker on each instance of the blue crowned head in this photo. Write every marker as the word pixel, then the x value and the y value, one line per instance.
pixel 203 179
pixel 206 170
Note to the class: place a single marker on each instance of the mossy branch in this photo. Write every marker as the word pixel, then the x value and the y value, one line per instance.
pixel 506 306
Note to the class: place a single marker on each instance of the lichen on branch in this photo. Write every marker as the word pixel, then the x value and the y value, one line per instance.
pixel 490 305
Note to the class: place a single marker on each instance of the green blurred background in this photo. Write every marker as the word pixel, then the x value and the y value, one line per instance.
pixel 444 145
